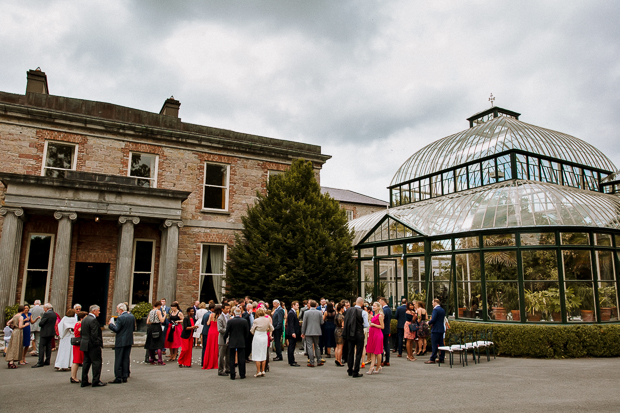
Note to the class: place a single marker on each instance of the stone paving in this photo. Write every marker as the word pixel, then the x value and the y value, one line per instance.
pixel 504 384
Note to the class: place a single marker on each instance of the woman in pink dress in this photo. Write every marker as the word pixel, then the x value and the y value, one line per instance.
pixel 375 339
pixel 211 352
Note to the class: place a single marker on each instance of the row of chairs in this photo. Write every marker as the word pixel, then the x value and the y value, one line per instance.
pixel 464 342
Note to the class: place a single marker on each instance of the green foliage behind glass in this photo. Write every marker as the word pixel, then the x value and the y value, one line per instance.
pixel 141 310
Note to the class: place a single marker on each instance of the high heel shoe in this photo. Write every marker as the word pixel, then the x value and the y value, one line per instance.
pixel 377 371
pixel 75 381
pixel 371 372
pixel 161 363
pixel 12 366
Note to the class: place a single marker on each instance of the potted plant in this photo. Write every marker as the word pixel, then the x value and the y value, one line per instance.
pixel 497 303
pixel 140 311
pixel 554 304
pixel 535 304
pixel 606 300
pixel 586 295
pixel 511 300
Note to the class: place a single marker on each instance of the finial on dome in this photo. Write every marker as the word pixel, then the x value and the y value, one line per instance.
pixel 492 99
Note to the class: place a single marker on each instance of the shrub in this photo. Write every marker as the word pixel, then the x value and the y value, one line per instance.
pixel 548 341
pixel 10 311
pixel 141 310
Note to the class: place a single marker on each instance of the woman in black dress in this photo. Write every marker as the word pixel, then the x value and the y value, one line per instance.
pixel 154 334
pixel 329 328
pixel 338 333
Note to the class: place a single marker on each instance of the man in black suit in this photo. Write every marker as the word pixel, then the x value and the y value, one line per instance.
pixel 437 331
pixel 387 330
pixel 48 331
pixel 354 334
pixel 236 333
pixel 292 332
pixel 248 316
pixel 124 328
pixel 400 317
pixel 92 343
pixel 278 327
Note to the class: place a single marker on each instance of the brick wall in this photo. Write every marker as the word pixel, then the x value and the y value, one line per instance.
pixel 360 210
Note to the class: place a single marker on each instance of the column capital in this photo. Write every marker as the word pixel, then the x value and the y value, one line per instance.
pixel 123 219
pixel 18 212
pixel 68 214
pixel 170 222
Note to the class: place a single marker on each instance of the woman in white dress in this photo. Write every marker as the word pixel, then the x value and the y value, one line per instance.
pixel 64 359
pixel 261 326
pixel 202 310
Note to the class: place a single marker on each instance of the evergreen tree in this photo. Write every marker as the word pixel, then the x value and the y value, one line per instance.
pixel 295 243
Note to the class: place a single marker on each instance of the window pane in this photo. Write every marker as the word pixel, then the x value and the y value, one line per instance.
pixel 425 189
pixel 36 282
pixel 475 180
pixel 533 168
pixel 488 172
pixel 542 301
pixel 500 265
pixel 441 245
pixel 448 182
pixel 503 301
pixel 605 266
pixel 580 307
pixel 603 239
pixel 521 166
pixel 572 176
pixel 144 256
pixel 367 252
pixel 141 288
pixel 216 175
pixel 540 264
pixel 608 301
pixel 577 265
pixel 617 237
pixel 465 243
pixel 549 173
pixel 590 180
pixel 538 238
pixel 142 165
pixel 504 168
pixel 415 247
pixel 461 179
pixel 441 274
pixel 396 249
pixel 382 250
pixel 215 197
pixel 469 299
pixel 368 279
pixel 436 185
pixel 499 240
pixel 415 191
pixel 39 255
pixel 59 155
pixel 467 267
pixel 575 238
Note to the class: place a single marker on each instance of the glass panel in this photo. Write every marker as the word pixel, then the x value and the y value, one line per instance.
pixel 36 282
pixel 503 301
pixel 39 255
pixel 415 191
pixel 396 249
pixel 385 230
pixel 504 168
pixel 368 280
pixel 392 229
pixel 467 267
pixel 475 179
pixel 499 240
pixel 396 196
pixel 540 265
pixel 580 306
pixel 572 176
pixel 441 245
pixel 488 172
pixel 533 168
pixel 405 195
pixel 388 279
pixel 144 256
pixel 617 237
pixel 425 189
pixel 466 243
pixel 416 279
pixel 605 266
pixel 441 274
pixel 608 301
pixel 603 240
pixel 590 181
pixel 59 156
pixel 143 166
pixel 461 179
pixel 500 265
pixel 575 238
pixel 436 185
pixel 577 265
pixel 470 300
pixel 367 252
pixel 141 288
pixel 542 301
pixel 215 198
pixel 448 182
pixel 414 247
pixel 521 166
pixel 382 250
pixel 538 238
pixel 548 172
pixel 216 175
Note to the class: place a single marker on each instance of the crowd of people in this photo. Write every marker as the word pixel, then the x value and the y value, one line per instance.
pixel 230 335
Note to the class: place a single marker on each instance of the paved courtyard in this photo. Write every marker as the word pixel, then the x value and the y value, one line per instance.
pixel 504 384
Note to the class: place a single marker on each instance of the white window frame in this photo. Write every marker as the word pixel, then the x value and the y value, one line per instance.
pixel 73 163
pixel 154 179
pixel 350 214
pixel 200 273
pixel 273 172
pixel 49 266
pixel 204 185
pixel 133 265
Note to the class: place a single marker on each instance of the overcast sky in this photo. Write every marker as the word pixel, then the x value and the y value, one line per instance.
pixel 371 82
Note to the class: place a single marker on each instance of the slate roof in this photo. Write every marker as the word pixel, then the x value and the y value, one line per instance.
pixel 344 195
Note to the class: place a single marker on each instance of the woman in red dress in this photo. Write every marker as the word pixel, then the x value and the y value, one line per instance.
pixel 78 355
pixel 174 330
pixel 187 339
pixel 211 352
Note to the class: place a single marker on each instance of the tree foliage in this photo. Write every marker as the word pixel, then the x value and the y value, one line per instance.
pixel 295 243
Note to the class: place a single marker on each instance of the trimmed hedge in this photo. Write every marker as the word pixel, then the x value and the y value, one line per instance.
pixel 548 341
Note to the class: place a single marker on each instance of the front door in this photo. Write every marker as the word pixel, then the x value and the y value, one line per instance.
pixel 90 286
pixel 387 280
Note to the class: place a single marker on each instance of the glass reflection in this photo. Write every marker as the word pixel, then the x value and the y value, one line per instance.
pixel 575 238
pixel 538 238
pixel 416 279
pixel 468 285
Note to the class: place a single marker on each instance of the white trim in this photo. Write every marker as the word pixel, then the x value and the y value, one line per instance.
pixel 133 266
pixel 73 163
pixel 204 185
pixel 200 273
pixel 49 266
pixel 154 178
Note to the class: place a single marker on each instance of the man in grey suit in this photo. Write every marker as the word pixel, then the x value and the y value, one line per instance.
pixel 222 364
pixel 124 327
pixel 311 331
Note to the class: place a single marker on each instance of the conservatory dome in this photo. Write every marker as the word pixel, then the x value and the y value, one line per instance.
pixel 494 131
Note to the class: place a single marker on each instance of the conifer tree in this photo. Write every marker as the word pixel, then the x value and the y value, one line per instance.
pixel 295 243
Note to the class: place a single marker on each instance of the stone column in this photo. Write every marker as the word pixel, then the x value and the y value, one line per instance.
pixel 168 253
pixel 122 280
pixel 62 259
pixel 10 247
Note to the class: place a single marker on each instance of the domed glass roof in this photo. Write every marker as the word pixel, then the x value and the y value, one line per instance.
pixel 509 204
pixel 495 136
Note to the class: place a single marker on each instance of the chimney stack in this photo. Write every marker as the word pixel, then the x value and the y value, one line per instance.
pixel 36 82
pixel 171 107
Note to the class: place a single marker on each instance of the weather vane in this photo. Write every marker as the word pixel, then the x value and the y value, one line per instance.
pixel 492 99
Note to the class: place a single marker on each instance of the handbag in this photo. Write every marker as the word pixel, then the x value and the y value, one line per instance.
pixel 413 327
pixel 156 333
pixel 76 341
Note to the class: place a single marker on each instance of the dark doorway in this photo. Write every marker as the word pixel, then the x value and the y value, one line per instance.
pixel 91 286
pixel 208 292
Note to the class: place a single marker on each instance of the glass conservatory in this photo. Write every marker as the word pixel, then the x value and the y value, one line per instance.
pixel 504 221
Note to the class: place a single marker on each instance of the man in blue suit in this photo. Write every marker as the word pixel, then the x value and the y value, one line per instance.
pixel 387 318
pixel 205 331
pixel 123 327
pixel 400 317
pixel 277 318
pixel 437 331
